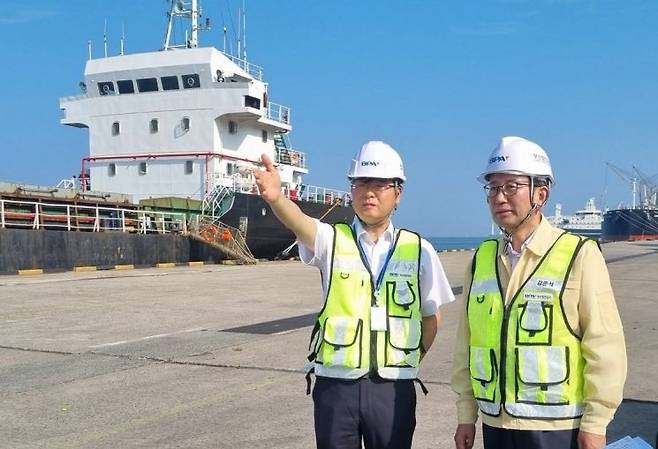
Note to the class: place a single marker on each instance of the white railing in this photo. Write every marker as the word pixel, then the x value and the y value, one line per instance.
pixel 278 113
pixel 315 194
pixel 252 69
pixel 69 217
pixel 290 157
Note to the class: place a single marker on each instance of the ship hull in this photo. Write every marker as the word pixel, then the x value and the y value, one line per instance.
pixel 267 238
pixel 630 224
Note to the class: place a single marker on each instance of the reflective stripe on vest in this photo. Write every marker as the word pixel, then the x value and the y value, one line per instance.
pixel 525 355
pixel 345 346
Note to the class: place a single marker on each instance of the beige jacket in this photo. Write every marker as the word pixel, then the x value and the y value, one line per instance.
pixel 591 311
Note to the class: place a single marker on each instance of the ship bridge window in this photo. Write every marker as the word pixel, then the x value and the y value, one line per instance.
pixel 153 125
pixel 252 102
pixel 147 84
pixel 106 88
pixel 116 129
pixel 191 81
pixel 169 83
pixel 126 86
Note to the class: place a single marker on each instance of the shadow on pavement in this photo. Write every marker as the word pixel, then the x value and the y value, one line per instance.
pixel 637 419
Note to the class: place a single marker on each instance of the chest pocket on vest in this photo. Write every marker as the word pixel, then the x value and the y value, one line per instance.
pixel 341 342
pixel 535 323
pixel 542 374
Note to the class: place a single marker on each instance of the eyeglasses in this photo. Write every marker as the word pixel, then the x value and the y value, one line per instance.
pixel 374 184
pixel 508 189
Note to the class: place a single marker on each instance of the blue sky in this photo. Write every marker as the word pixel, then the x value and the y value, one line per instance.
pixel 441 81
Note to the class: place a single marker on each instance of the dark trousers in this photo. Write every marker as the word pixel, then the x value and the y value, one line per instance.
pixel 380 412
pixel 497 438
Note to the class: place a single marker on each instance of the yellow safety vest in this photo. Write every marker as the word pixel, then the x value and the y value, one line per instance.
pixel 343 344
pixel 524 356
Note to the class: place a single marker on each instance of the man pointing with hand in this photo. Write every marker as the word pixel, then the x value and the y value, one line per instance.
pixel 382 288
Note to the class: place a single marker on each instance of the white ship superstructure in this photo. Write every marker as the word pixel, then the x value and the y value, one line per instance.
pixel 585 221
pixel 190 122
pixel 178 122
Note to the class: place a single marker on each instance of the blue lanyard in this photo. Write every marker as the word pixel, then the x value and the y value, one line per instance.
pixel 382 270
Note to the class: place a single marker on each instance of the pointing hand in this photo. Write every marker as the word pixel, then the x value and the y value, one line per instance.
pixel 268 180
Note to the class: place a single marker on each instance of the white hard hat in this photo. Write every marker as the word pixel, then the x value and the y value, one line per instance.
pixel 377 159
pixel 518 156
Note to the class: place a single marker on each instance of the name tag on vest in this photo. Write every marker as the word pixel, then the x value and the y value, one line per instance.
pixel 534 296
pixel 548 284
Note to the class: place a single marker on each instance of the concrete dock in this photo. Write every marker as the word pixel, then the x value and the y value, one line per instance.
pixel 212 356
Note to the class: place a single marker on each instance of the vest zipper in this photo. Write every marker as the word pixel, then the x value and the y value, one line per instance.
pixel 503 351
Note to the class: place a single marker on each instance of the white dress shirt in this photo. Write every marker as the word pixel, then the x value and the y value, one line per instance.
pixel 434 287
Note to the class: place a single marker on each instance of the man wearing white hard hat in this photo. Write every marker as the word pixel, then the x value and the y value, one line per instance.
pixel 382 288
pixel 540 350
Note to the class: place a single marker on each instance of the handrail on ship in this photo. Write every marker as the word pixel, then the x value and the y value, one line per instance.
pixel 252 69
pixel 304 192
pixel 72 217
pixel 278 112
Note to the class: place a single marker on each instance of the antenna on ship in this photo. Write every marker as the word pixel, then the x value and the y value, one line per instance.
pixel 244 29
pixel 105 37
pixel 89 48
pixel 239 33
pixel 224 38
pixel 123 37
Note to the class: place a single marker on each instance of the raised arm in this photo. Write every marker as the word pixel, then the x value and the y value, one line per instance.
pixel 292 217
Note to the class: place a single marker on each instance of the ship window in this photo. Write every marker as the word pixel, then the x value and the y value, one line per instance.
pixel 264 136
pixel 147 84
pixel 232 127
pixel 143 168
pixel 126 86
pixel 153 125
pixel 191 81
pixel 185 124
pixel 112 169
pixel 189 167
pixel 230 168
pixel 169 82
pixel 116 129
pixel 251 102
pixel 106 88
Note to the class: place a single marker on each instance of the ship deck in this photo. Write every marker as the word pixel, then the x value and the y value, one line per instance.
pixel 212 356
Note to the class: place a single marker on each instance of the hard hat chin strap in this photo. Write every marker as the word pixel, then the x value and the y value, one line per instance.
pixel 507 234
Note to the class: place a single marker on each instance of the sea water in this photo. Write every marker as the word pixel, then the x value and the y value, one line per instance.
pixel 452 243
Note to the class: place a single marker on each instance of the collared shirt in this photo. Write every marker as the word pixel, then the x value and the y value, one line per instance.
pixel 434 287
pixel 590 309
pixel 513 255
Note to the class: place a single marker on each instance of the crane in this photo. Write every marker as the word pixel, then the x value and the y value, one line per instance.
pixel 649 188
pixel 629 178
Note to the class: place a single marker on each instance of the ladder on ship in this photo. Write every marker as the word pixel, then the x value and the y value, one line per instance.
pixel 227 239
pixel 281 148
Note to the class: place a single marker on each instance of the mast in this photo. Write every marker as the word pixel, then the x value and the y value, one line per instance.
pixel 181 9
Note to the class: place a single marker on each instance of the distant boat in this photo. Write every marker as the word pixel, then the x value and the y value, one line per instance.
pixel 640 221
pixel 586 222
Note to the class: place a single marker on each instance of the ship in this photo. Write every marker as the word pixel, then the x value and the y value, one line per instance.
pixel 191 122
pixel 585 222
pixel 639 221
